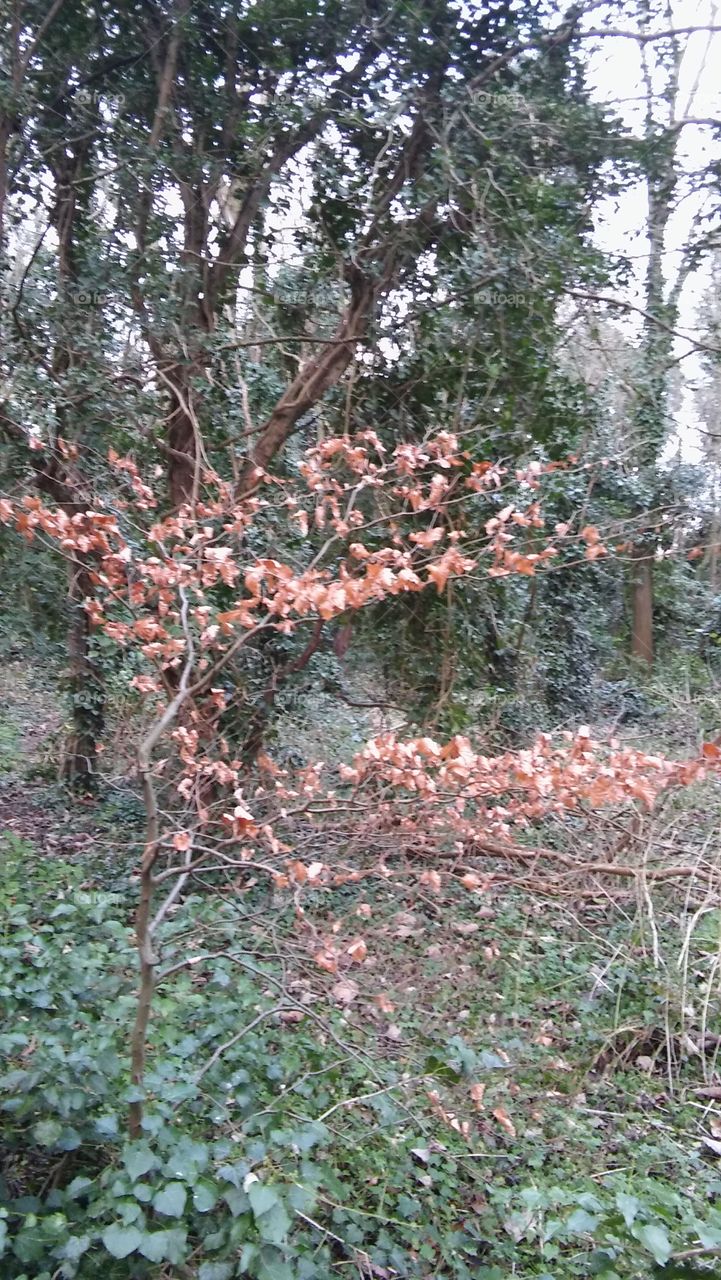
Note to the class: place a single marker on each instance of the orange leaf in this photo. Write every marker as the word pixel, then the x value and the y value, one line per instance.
pixel 477 1092
pixel 327 959
pixel 501 1115
pixel 710 751
pixel 590 534
pixel 594 551
pixel 427 538
pixel 383 1002
pixel 439 573
pixel 181 841
pixel 433 880
pixel 357 951
pixel 471 881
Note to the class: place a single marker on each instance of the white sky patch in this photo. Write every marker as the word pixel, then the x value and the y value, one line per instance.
pixel 616 79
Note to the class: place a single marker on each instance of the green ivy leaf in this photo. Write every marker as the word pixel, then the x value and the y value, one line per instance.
pixel 655 1239
pixel 74 1248
pixel 262 1198
pixel 710 1237
pixel 273 1227
pixel 205 1197
pixel 47 1132
pixel 237 1201
pixel 188 1159
pixel 139 1159
pixel 271 1217
pixel 582 1223
pixel 164 1246
pixel 121 1241
pixel 628 1206
pixel 77 1186
pixel 171 1200
pixel 272 1266
pixel 106 1126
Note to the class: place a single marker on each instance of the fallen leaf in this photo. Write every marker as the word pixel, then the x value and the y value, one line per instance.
pixel 326 959
pixel 345 991
pixel 477 1091
pixel 405 923
pixel 357 951
pixel 465 927
pixel 433 880
pixel 384 1002
pixel 501 1115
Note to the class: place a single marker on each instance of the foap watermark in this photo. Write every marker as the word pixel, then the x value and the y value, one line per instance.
pixel 502 96
pixel 497 298
pixel 114 102
pixel 88 297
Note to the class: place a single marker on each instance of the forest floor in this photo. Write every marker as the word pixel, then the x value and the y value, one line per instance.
pixel 510 1083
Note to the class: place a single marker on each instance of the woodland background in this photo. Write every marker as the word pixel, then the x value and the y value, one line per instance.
pixel 360 525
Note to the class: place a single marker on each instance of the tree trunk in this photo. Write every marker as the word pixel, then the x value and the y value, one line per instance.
pixel 182 437
pixel 642 606
pixel 713 549
pixel 85 687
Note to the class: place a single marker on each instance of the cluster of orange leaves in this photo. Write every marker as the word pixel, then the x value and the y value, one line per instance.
pixel 137 577
pixel 457 789
pixel 154 584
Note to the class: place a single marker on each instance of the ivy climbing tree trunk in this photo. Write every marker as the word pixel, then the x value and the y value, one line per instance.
pixel 72 167
pixel 85 685
pixel 660 168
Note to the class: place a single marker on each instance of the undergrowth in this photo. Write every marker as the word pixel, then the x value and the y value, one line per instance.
pixel 501 1089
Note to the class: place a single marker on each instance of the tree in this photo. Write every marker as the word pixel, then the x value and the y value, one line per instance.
pixel 661 52
pixel 175 141
pixel 161 590
pixel 708 398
